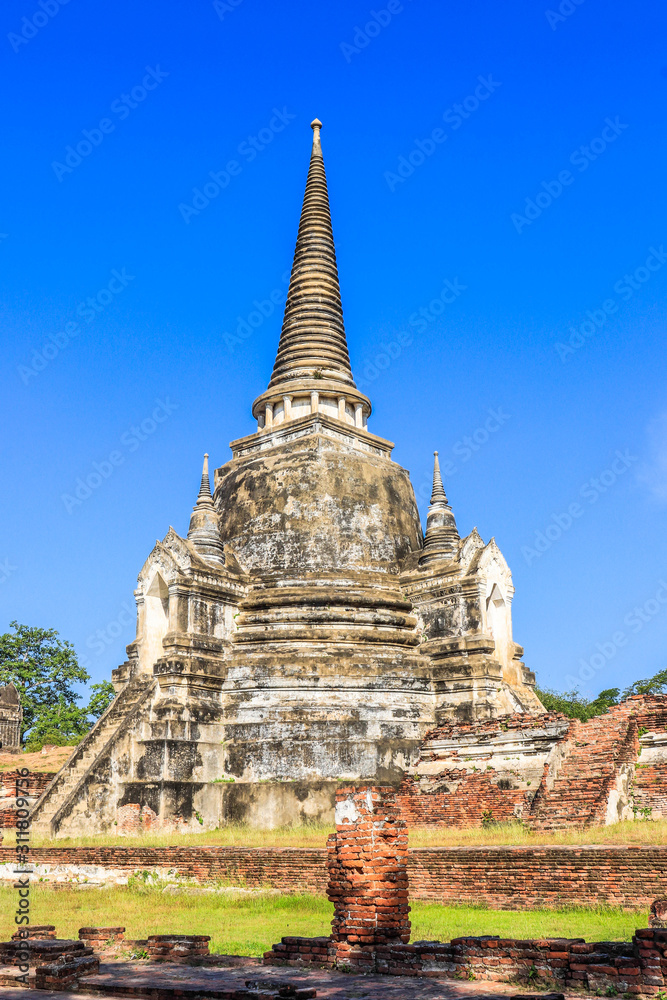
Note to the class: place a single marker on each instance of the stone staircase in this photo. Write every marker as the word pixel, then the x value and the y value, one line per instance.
pixel 578 793
pixel 56 800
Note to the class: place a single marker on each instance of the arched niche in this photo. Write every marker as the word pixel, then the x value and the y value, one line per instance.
pixel 156 621
pixel 498 622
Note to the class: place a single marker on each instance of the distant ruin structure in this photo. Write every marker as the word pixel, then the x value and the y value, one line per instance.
pixel 11 717
pixel 306 630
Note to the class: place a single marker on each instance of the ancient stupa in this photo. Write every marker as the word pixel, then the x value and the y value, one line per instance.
pixel 306 630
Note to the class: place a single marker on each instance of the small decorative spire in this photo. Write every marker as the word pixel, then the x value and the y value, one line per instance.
pixel 204 531
pixel 205 496
pixel 438 495
pixel 441 540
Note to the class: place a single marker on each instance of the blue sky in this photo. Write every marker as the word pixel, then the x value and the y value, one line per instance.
pixel 540 197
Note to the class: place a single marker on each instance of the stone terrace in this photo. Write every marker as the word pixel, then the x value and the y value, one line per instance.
pixel 179 983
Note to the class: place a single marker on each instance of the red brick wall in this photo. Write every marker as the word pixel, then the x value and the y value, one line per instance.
pixel 33 785
pixel 606 968
pixel 463 809
pixel 37 782
pixel 651 779
pixel 503 877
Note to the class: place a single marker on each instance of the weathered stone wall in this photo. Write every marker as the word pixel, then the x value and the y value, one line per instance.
pixel 11 716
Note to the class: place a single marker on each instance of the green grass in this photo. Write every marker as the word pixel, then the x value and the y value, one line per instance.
pixel 246 924
pixel 432 922
pixel 315 835
pixel 232 835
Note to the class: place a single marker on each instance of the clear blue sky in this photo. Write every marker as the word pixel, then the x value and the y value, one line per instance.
pixel 538 195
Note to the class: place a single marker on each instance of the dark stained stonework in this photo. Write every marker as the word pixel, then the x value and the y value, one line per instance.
pixel 11 716
pixel 305 631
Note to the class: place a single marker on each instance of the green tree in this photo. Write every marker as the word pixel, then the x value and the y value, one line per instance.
pixel 65 724
pixel 575 705
pixel 651 685
pixel 44 668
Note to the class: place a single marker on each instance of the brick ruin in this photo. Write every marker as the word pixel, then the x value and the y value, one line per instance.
pixel 509 878
pixel 368 869
pixel 368 878
pixel 606 968
pixel 546 770
pixel 30 788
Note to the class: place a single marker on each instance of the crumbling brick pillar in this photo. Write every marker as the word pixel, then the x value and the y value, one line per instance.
pixel 368 877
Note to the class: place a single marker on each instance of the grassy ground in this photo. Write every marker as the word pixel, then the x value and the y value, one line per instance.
pixel 47 760
pixel 637 832
pixel 648 832
pixel 248 924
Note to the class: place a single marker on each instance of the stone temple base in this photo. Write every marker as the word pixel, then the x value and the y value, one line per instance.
pixel 268 804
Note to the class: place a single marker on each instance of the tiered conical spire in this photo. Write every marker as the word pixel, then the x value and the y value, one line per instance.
pixel 438 494
pixel 205 496
pixel 312 342
pixel 441 540
pixel 204 531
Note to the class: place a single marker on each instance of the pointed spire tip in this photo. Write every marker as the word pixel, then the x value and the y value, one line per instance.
pixel 316 123
pixel 438 495
pixel 205 496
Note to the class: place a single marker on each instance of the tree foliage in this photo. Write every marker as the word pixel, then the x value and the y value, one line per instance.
pixel 44 670
pixel 651 685
pixel 577 706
